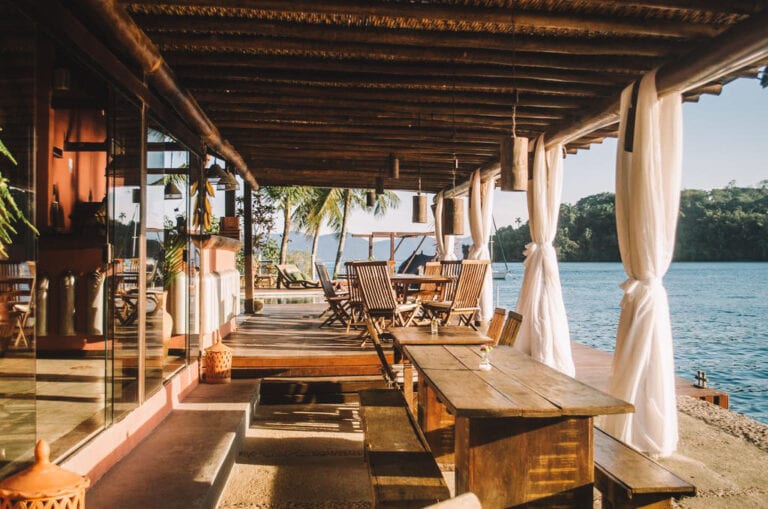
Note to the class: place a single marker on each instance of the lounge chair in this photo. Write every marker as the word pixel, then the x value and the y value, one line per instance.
pixel 290 276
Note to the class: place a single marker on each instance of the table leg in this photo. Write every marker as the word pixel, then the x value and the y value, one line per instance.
pixel 436 423
pixel 538 462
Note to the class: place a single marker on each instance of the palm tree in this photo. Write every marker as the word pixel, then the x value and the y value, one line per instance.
pixel 287 199
pixel 321 206
pixel 352 199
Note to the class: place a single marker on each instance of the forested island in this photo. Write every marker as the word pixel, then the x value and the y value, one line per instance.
pixel 729 224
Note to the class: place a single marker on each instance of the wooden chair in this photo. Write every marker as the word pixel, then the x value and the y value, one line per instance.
pixel 511 328
pixel 356 315
pixel 19 292
pixel 496 324
pixel 381 307
pixel 451 269
pixel 466 300
pixel 290 276
pixel 429 291
pixel 338 304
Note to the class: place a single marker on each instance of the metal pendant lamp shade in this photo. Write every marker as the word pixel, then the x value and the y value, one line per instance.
pixel 513 155
pixel 370 199
pixel 172 192
pixel 394 167
pixel 419 208
pixel 453 216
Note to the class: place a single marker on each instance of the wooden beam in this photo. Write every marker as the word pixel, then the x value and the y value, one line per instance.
pixel 239 77
pixel 376 43
pixel 505 19
pixel 526 66
pixel 740 47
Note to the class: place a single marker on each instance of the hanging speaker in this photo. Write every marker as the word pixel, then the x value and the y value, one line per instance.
pixel 419 208
pixel 453 216
pixel 513 155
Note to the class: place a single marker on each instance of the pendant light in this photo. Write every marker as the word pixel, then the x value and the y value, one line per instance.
pixel 453 210
pixel 394 167
pixel 370 199
pixel 379 185
pixel 419 211
pixel 419 205
pixel 513 158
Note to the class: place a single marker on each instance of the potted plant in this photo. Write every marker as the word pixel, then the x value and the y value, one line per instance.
pixel 9 210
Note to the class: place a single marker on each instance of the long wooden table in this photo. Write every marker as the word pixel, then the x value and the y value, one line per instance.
pixel 421 335
pixel 523 431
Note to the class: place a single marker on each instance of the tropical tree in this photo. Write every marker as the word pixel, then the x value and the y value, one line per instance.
pixel 287 199
pixel 352 199
pixel 321 206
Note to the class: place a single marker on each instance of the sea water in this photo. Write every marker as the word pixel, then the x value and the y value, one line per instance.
pixel 719 314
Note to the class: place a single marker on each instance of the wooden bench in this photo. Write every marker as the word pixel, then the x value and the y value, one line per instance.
pixel 402 470
pixel 628 478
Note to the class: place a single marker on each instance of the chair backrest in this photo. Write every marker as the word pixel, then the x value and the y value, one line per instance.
pixel 511 328
pixel 428 291
pixel 376 288
pixel 325 280
pixel 470 284
pixel 496 324
pixel 452 269
pixel 353 286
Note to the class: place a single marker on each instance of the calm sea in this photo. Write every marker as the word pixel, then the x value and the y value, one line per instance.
pixel 719 317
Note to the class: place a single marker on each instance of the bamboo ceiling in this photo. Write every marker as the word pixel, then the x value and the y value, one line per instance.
pixel 322 92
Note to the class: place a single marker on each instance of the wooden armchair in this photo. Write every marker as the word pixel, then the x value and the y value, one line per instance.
pixel 338 304
pixel 17 284
pixel 511 328
pixel 381 307
pixel 466 299
pixel 290 276
pixel 356 315
pixel 496 324
pixel 451 269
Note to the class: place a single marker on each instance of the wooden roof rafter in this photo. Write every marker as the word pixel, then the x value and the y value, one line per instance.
pixel 324 92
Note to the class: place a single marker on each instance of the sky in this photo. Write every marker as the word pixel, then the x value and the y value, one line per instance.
pixel 725 139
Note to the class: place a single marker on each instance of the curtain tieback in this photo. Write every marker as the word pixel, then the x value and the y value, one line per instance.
pixel 631 284
pixel 532 247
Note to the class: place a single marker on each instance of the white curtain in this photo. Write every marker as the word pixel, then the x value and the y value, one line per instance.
pixel 438 211
pixel 544 333
pixel 647 204
pixel 480 217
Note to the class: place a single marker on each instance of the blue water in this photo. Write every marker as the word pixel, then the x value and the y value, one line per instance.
pixel 719 315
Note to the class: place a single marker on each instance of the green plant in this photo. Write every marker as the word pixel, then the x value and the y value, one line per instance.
pixel 173 255
pixel 9 210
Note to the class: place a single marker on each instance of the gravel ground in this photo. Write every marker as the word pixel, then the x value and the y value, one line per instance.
pixel 738 425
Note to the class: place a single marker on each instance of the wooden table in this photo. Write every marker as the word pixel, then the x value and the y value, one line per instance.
pixel 523 431
pixel 402 282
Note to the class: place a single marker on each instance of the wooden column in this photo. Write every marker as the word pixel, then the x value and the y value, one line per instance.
pixel 248 247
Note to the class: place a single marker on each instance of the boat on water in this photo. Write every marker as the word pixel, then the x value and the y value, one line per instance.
pixel 501 273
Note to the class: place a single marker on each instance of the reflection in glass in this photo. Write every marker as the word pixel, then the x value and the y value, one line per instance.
pixel 17 271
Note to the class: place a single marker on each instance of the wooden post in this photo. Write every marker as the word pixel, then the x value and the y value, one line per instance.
pixel 248 247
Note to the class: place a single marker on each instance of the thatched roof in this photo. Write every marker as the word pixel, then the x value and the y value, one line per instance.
pixel 323 92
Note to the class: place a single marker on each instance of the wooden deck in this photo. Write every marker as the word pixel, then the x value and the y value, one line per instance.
pixel 284 341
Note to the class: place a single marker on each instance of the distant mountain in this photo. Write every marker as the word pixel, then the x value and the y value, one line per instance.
pixel 356 248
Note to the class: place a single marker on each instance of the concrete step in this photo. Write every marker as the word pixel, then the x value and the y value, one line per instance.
pixel 185 462
pixel 321 389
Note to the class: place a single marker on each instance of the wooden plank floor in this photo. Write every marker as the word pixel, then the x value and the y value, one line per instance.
pixel 284 341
